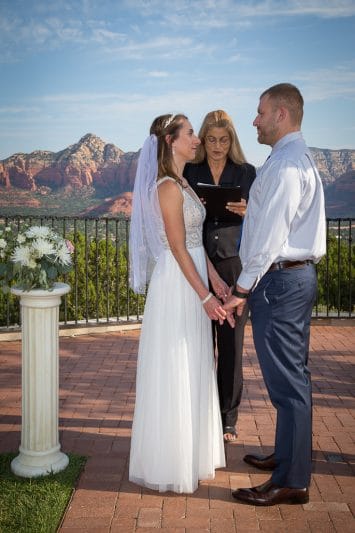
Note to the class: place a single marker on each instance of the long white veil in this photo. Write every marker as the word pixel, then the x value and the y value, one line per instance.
pixel 145 242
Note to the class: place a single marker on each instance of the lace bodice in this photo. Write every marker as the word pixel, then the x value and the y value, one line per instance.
pixel 194 215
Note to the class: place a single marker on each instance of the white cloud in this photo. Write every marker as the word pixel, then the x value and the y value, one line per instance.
pixel 44 26
pixel 323 8
pixel 77 97
pixel 84 22
pixel 21 34
pixel 103 36
pixel 229 13
pixel 158 74
pixel 102 104
pixel 234 58
pixel 277 8
pixel 202 48
pixel 328 83
pixel 107 104
pixel 161 47
pixel 317 85
pixel 15 110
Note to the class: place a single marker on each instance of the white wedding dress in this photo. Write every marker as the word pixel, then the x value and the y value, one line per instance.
pixel 177 436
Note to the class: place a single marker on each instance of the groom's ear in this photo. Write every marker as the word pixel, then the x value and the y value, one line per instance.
pixel 282 114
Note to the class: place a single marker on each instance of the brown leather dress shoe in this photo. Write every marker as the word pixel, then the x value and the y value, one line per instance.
pixel 261 462
pixel 270 494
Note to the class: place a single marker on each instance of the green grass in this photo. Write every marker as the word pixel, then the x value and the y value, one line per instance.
pixel 35 505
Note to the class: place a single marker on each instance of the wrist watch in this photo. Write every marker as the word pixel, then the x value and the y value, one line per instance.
pixel 239 294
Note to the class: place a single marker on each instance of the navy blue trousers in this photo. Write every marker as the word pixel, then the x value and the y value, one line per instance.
pixel 281 308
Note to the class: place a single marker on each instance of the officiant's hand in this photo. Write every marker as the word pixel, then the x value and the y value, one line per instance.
pixel 220 287
pixel 239 208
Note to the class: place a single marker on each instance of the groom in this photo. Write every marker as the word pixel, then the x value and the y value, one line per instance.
pixel 283 236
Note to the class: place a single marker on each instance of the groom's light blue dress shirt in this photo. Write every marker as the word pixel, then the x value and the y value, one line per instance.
pixel 285 218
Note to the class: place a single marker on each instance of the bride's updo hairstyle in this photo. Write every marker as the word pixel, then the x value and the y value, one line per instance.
pixel 161 127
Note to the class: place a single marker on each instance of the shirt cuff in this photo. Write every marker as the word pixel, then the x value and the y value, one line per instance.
pixel 246 281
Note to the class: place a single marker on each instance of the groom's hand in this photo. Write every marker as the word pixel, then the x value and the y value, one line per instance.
pixel 235 303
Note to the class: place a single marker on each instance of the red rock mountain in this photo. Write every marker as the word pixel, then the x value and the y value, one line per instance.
pixel 340 196
pixel 102 170
pixel 90 162
pixel 332 164
pixel 111 207
pixel 337 170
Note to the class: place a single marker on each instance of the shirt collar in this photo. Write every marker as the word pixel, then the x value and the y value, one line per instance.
pixel 289 137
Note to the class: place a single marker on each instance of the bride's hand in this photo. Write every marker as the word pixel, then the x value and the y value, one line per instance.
pixel 214 310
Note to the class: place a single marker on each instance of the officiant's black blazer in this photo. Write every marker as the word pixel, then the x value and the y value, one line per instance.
pixel 221 239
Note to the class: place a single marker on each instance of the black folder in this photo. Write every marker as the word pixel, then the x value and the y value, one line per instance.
pixel 216 197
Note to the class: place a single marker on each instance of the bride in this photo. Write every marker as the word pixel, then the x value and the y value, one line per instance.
pixel 177 435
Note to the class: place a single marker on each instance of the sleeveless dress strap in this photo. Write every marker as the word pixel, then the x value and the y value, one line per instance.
pixel 159 182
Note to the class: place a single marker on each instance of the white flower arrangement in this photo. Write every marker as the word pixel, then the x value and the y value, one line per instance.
pixel 33 257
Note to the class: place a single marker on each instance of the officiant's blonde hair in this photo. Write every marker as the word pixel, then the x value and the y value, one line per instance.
pixel 219 119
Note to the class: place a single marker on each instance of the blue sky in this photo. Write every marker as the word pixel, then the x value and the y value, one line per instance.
pixel 108 67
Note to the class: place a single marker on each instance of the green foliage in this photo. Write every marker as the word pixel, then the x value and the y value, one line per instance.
pixel 336 275
pixel 35 505
pixel 99 280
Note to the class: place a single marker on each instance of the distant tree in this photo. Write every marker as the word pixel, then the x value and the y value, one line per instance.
pixel 99 282
pixel 9 310
pixel 336 275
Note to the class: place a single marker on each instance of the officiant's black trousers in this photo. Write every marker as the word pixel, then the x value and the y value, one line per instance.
pixel 229 343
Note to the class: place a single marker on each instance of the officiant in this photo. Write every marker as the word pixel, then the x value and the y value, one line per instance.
pixel 220 161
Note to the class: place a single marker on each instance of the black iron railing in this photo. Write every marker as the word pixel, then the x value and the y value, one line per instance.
pixel 100 291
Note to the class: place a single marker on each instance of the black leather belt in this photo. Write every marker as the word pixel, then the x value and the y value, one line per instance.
pixel 289 264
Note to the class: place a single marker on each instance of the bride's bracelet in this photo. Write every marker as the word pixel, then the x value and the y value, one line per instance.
pixel 209 295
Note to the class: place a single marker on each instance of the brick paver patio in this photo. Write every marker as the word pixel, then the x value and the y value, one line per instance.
pixel 97 380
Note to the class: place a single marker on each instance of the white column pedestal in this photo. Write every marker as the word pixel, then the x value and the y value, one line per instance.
pixel 40 448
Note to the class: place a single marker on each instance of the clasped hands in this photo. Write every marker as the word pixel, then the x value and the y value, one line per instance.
pixel 225 311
